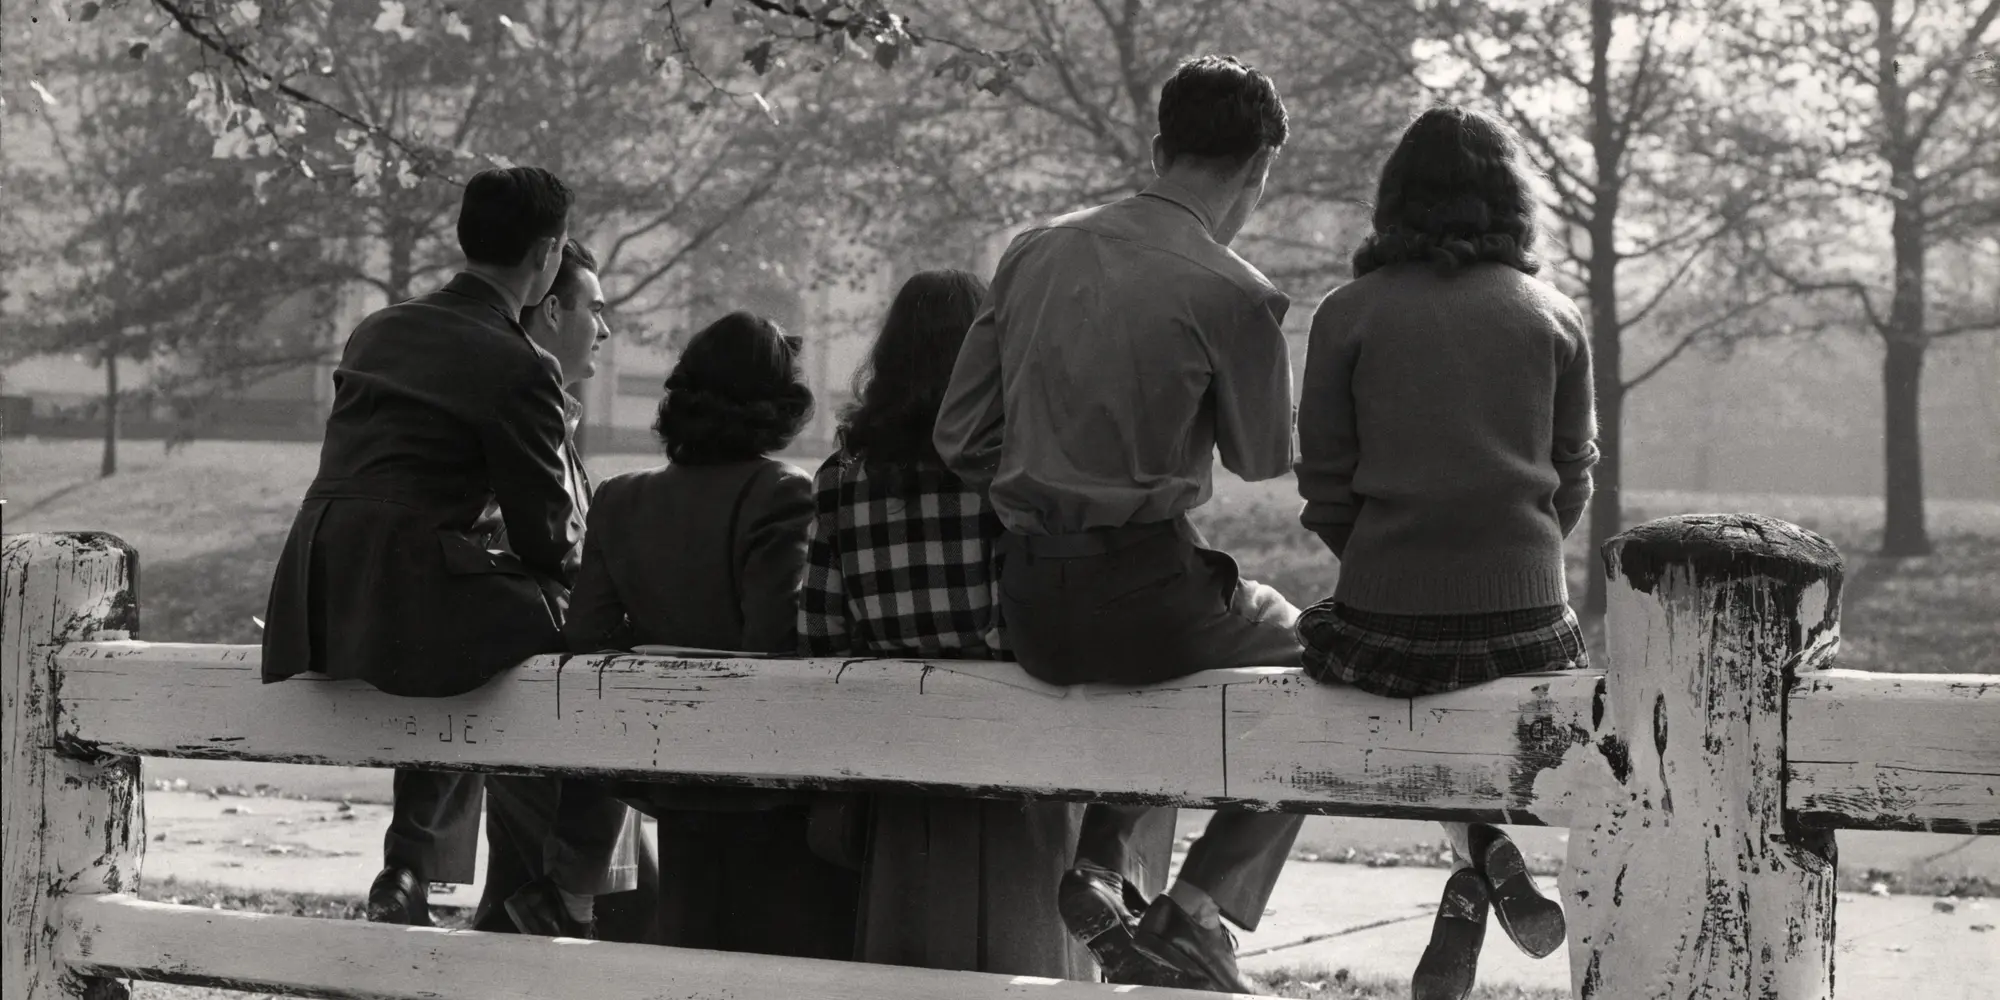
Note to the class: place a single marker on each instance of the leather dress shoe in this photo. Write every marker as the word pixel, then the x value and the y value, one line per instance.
pixel 1451 960
pixel 1101 909
pixel 1206 955
pixel 1534 922
pixel 538 909
pixel 398 896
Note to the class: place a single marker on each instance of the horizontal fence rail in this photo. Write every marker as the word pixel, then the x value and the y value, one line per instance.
pixel 1700 775
pixel 1866 751
pixel 1507 751
pixel 121 937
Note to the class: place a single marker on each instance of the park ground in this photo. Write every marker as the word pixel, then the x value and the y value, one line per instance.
pixel 208 518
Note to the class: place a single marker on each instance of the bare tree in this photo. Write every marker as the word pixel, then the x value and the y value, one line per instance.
pixel 1897 132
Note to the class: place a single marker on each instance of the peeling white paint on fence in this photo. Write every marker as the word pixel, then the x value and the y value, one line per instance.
pixel 1702 775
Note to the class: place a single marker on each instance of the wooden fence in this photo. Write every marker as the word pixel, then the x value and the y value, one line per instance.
pixel 1701 776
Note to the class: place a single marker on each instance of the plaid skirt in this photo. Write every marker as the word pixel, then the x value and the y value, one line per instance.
pixel 1402 656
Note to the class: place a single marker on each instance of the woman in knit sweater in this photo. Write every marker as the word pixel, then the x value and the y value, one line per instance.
pixel 1446 434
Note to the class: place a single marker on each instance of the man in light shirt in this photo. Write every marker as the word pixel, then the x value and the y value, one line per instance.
pixel 1121 347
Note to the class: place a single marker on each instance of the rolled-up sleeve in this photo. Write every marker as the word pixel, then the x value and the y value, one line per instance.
pixel 1252 373
pixel 1329 449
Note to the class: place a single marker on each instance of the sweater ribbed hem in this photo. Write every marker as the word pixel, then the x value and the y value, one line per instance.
pixel 1432 594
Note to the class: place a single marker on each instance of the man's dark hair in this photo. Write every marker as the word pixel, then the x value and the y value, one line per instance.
pixel 1221 109
pixel 737 393
pixel 576 259
pixel 900 387
pixel 1454 192
pixel 504 212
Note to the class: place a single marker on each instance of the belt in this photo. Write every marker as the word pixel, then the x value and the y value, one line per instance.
pixel 1099 541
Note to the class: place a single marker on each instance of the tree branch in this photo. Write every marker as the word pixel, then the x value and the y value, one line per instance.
pixel 1955 64
pixel 1693 335
pixel 188 22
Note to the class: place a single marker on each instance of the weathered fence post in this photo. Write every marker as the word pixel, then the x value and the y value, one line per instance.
pixel 71 821
pixel 1688 882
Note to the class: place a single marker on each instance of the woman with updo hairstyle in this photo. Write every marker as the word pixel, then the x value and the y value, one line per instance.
pixel 1446 434
pixel 706 552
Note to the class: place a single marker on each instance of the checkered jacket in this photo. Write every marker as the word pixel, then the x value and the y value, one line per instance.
pixel 899 562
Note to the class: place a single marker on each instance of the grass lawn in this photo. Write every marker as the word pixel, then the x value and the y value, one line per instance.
pixel 1312 984
pixel 208 521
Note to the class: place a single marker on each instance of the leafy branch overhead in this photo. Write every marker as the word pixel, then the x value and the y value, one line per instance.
pixel 268 88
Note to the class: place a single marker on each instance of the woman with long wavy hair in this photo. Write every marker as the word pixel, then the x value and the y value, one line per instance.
pixel 900 563
pixel 1446 434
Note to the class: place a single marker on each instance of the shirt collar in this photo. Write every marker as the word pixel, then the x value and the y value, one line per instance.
pixel 507 298
pixel 572 409
pixel 1176 193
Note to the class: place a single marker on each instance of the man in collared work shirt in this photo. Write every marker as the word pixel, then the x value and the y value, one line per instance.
pixel 1120 348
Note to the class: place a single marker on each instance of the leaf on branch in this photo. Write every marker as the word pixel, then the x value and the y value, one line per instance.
pixel 43 93
pixel 456 26
pixel 522 34
pixel 390 21
pixel 407 175
pixel 500 161
pixel 769 112
pixel 247 13
pixel 367 171
pixel 759 57
pixel 138 50
pixel 88 13
pixel 886 54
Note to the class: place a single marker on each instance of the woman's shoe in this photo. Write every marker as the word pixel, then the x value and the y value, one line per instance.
pixel 1451 961
pixel 1534 922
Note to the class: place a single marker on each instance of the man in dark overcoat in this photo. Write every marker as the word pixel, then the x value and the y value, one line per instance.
pixel 394 572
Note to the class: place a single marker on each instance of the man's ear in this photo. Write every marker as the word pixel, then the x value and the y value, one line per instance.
pixel 1258 167
pixel 1163 158
pixel 543 247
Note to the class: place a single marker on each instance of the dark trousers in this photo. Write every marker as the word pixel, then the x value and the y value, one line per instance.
pixel 749 881
pixel 1144 604
pixel 434 826
pixel 606 854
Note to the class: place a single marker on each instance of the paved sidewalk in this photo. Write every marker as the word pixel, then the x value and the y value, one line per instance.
pixel 1370 921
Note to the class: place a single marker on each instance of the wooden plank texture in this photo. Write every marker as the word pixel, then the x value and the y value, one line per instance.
pixel 255 952
pixel 1516 751
pixel 1896 751
pixel 70 821
pixel 1259 735
pixel 1688 881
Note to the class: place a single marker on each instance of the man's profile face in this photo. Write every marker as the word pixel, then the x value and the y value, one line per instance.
pixel 578 329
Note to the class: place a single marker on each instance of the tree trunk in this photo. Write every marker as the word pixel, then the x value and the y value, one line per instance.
pixel 1903 528
pixel 1605 324
pixel 109 466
